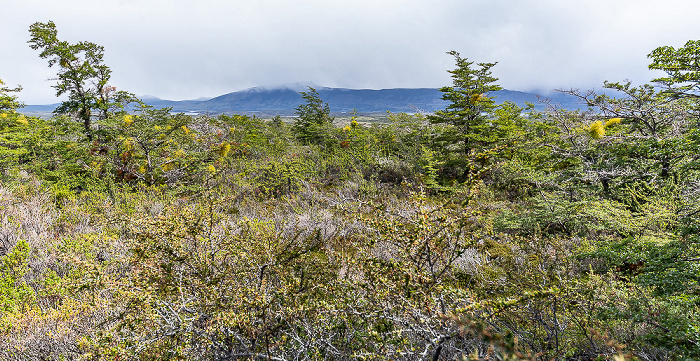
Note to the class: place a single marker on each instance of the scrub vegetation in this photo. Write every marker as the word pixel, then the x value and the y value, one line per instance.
pixel 480 232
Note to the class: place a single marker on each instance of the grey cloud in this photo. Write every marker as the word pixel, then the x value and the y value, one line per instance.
pixel 182 49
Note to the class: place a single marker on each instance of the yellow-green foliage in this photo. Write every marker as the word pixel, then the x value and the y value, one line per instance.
pixel 224 149
pixel 14 133
pixel 8 103
pixel 15 294
pixel 214 276
pixel 198 238
pixel 128 119
pixel 22 120
pixel 596 130
pixel 475 98
pixel 156 147
pixel 612 121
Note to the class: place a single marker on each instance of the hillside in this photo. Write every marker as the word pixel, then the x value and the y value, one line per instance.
pixel 283 100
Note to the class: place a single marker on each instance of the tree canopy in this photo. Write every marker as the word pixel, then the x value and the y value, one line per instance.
pixel 313 118
pixel 82 75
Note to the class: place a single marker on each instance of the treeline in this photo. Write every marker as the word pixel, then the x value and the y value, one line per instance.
pixel 482 232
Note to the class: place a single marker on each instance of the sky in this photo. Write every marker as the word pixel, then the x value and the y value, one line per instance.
pixel 187 49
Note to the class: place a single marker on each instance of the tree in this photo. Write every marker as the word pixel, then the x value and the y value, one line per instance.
pixel 467 120
pixel 156 147
pixel 642 148
pixel 313 118
pixel 9 102
pixel 82 75
pixel 13 133
pixel 643 136
pixel 682 67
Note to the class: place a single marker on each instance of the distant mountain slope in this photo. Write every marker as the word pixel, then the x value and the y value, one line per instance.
pixel 283 101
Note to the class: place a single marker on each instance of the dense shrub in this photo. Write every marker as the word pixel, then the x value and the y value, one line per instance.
pixel 483 232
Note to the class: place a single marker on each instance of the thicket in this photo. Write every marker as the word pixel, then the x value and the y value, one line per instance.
pixel 482 232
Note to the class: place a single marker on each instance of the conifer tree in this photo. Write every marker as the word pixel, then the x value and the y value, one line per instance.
pixel 313 118
pixel 13 134
pixel 466 123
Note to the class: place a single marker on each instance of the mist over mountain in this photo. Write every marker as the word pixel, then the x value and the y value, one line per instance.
pixel 282 100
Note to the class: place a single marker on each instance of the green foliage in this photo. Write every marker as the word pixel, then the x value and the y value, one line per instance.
pixel 46 148
pixel 681 67
pixel 82 75
pixel 155 147
pixel 479 232
pixel 252 137
pixel 12 134
pixel 8 102
pixel 429 166
pixel 466 127
pixel 404 136
pixel 644 137
pixel 14 291
pixel 279 178
pixel 200 286
pixel 313 122
pixel 659 255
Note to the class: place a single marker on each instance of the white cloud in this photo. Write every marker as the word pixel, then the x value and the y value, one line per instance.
pixel 181 49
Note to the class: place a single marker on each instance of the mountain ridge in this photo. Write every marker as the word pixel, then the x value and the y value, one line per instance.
pixel 271 101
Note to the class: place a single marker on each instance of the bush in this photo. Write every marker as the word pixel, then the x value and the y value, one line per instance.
pixel 15 294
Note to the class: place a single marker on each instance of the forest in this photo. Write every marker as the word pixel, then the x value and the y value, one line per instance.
pixel 482 231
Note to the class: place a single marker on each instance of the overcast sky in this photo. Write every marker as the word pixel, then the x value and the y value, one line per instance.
pixel 185 49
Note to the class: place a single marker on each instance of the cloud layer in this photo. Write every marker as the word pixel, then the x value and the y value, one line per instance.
pixel 179 49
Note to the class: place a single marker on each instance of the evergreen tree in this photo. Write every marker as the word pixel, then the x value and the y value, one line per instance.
pixel 465 126
pixel 313 120
pixel 13 133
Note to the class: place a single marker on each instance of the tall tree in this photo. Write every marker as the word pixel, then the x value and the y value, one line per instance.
pixel 82 75
pixel 467 120
pixel 313 118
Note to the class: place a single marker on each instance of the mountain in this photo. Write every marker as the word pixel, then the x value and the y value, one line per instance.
pixel 179 104
pixel 283 101
pixel 264 101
